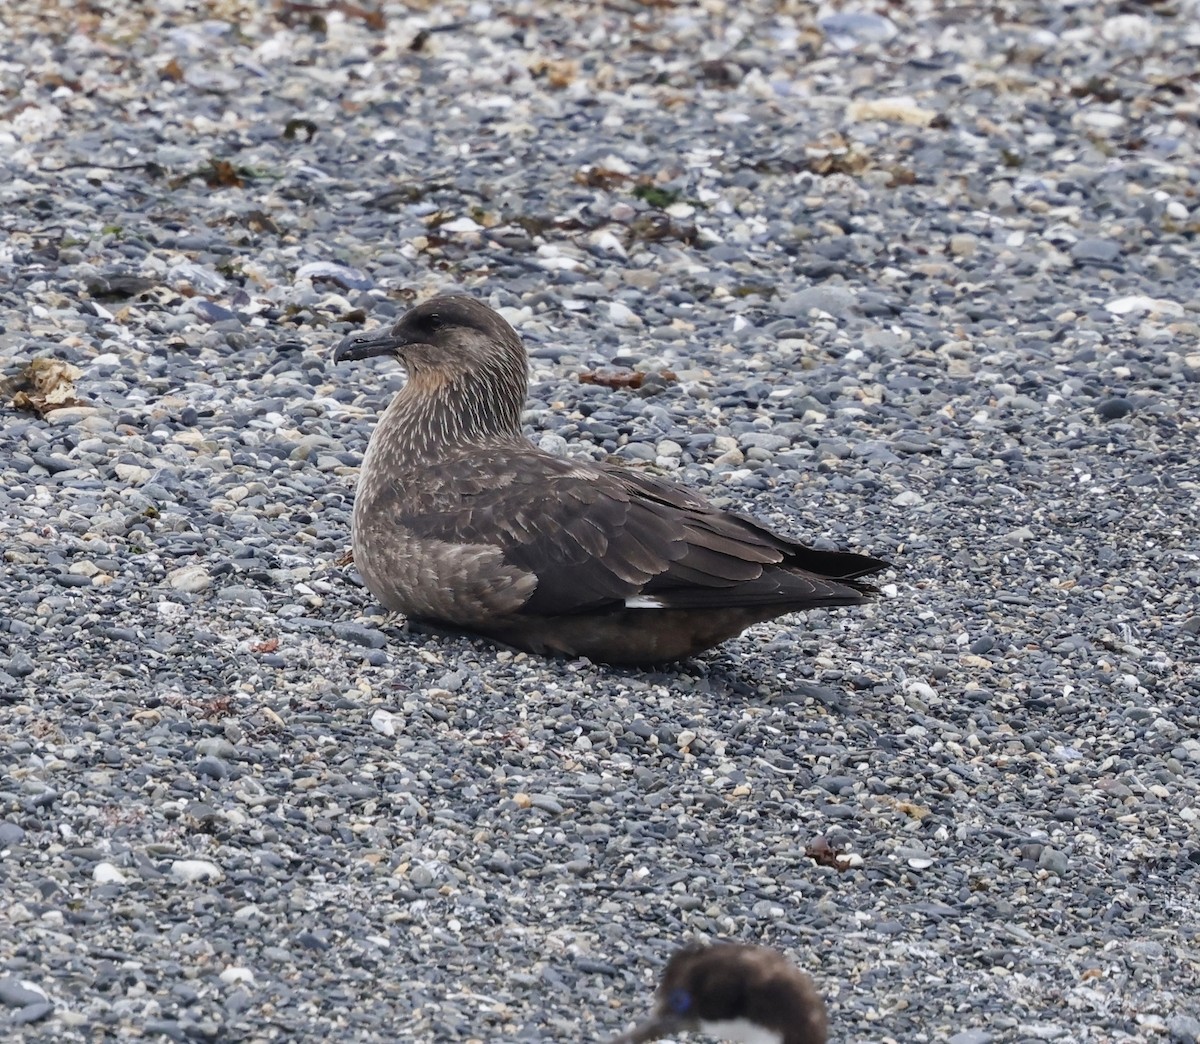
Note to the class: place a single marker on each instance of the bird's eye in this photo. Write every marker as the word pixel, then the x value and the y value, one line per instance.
pixel 679 1001
pixel 433 321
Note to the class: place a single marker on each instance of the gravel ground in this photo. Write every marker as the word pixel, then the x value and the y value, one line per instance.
pixel 924 282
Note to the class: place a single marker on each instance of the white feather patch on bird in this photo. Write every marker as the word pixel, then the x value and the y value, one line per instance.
pixel 643 602
pixel 740 1030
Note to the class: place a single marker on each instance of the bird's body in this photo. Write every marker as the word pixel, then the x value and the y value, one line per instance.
pixel 750 994
pixel 461 521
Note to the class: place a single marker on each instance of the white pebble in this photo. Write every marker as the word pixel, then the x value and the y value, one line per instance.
pixel 1142 303
pixel 892 110
pixel 106 873
pixel 1102 120
pixel 172 612
pixel 190 578
pixel 616 164
pixel 233 974
pixel 384 722
pixel 607 242
pixel 909 498
pixel 192 870
pixel 133 473
pixel 564 264
pixel 462 224
pixel 623 315
pixel 1129 31
pixel 921 689
pixel 516 317
pixel 70 414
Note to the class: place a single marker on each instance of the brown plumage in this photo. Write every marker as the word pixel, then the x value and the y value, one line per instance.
pixel 734 992
pixel 460 521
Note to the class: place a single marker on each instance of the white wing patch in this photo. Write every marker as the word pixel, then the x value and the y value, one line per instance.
pixel 643 602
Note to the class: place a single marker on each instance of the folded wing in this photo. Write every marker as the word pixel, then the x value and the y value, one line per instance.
pixel 599 539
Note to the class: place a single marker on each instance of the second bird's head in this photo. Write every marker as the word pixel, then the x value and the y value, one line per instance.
pixel 450 335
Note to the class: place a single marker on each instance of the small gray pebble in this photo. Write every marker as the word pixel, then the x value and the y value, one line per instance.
pixel 360 635
pixel 837 301
pixel 1184 1029
pixel 243 595
pixel 590 966
pixel 1094 250
pixel 213 768
pixel 31 1013
pixel 14 995
pixel 1114 408
pixel 1053 860
pixel 421 877
pixel 21 664
pixel 546 803
pixel 215 746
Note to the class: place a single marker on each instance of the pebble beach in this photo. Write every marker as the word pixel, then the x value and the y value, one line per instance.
pixel 916 280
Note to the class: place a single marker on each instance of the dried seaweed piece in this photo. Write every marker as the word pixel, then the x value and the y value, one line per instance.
pixel 850 159
pixel 821 852
pixel 315 14
pixel 622 379
pixel 600 177
pixel 402 195
pixel 653 226
pixel 260 221
pixel 721 73
pixel 558 73
pixel 43 386
pixel 221 174
pixel 656 195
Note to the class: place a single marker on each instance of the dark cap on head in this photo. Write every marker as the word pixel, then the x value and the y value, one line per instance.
pixel 440 327
pixel 718 988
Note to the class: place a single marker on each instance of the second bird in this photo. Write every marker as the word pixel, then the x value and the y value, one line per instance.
pixel 461 522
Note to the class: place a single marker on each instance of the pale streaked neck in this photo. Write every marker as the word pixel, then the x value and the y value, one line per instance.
pixel 435 414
